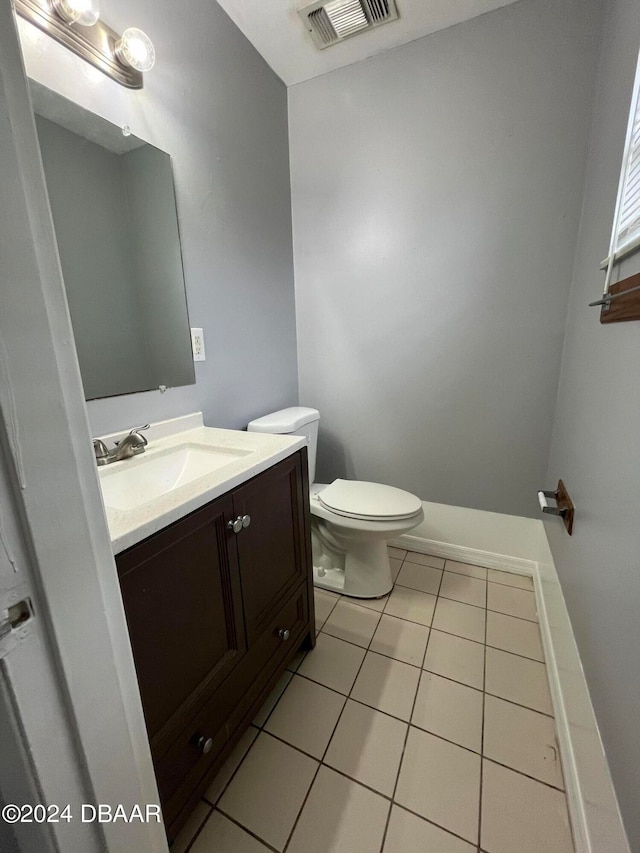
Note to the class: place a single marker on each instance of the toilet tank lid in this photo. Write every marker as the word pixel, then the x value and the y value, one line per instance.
pixel 285 420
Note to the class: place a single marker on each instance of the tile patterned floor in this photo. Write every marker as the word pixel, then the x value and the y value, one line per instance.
pixel 421 723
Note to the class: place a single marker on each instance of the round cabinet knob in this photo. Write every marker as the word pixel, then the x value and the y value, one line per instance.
pixel 236 524
pixel 246 520
pixel 284 634
pixel 204 744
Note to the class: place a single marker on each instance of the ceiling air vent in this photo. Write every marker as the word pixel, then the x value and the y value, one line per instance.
pixel 332 21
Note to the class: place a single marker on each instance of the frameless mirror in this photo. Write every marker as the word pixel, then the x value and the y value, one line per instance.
pixel 114 211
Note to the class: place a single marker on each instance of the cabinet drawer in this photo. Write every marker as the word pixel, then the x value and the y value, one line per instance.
pixel 184 765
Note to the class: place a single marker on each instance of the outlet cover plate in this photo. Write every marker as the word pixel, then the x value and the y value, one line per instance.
pixel 197 344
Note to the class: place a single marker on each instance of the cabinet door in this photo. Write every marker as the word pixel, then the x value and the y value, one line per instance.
pixel 183 770
pixel 274 550
pixel 182 599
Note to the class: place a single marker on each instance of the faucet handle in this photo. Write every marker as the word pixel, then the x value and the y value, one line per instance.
pixel 139 429
pixel 100 451
pixel 140 441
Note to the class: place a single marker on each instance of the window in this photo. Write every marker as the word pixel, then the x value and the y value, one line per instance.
pixel 625 234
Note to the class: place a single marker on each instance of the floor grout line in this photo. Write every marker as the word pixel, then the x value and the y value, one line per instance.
pixel 484 700
pixel 432 822
pixel 359 701
pixel 275 705
pixel 522 773
pixel 233 775
pixel 326 749
pixel 406 737
pixel 199 830
pixel 520 705
pixel 431 628
pixel 247 830
pixel 513 586
pixel 516 654
pixel 416 726
pixel 429 672
pixel 358 603
pixel 391 799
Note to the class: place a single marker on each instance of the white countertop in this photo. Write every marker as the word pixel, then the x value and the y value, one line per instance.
pixel 127 527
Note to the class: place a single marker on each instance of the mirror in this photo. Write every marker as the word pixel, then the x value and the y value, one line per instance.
pixel 114 211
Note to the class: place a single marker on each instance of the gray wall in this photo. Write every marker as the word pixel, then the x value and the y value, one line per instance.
pixel 436 195
pixel 219 110
pixel 596 445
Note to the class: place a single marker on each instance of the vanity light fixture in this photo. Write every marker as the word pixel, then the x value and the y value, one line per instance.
pixel 76 24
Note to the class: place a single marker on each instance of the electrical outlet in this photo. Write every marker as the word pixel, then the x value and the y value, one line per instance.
pixel 197 344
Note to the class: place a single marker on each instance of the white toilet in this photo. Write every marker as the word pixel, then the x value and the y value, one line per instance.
pixel 351 521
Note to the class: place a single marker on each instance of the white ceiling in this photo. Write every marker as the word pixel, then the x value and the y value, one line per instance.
pixel 277 32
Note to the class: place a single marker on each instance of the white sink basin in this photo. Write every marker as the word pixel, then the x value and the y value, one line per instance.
pixel 134 482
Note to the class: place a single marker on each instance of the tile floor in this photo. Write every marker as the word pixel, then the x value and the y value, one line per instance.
pixel 421 723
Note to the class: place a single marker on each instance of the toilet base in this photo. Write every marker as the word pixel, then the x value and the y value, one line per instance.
pixel 362 571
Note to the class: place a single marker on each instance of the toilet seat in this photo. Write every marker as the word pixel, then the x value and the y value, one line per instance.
pixel 368 501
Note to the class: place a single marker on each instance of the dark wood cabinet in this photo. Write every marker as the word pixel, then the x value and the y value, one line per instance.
pixel 214 617
pixel 271 550
pixel 182 596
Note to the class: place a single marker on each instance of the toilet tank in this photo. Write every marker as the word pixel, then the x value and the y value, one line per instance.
pixel 297 420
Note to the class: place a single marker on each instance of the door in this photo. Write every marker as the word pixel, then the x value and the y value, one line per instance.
pixel 70 678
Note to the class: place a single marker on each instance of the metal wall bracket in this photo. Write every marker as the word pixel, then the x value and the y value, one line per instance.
pixel 621 301
pixel 5 626
pixel 14 619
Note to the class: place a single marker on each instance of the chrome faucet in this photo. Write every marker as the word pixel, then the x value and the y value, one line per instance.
pixel 131 445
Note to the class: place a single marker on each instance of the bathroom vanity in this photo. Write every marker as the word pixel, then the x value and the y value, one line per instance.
pixel 217 601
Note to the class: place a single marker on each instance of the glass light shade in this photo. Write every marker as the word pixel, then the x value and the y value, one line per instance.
pixel 82 12
pixel 135 49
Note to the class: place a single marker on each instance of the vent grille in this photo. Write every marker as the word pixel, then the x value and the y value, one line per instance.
pixel 321 24
pixel 347 17
pixel 378 9
pixel 331 21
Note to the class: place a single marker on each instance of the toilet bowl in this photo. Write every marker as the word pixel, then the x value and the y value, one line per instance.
pixel 351 520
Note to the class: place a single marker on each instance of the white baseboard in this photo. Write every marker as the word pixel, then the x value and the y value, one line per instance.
pixel 593 807
pixel 464 554
pixel 573 789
